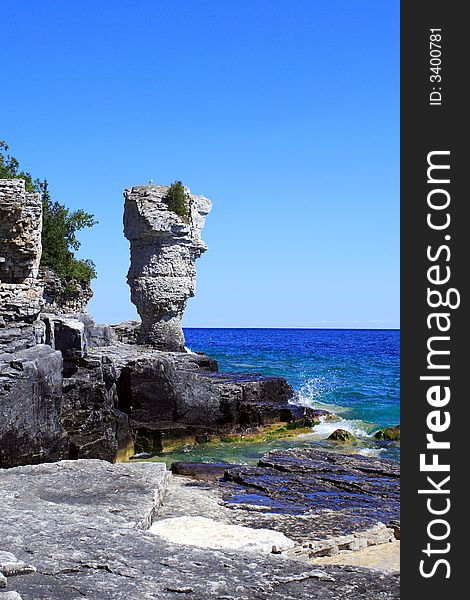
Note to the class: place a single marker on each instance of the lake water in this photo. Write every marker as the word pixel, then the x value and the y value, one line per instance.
pixel 353 373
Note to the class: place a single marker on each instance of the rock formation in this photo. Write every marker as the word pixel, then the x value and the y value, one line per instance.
pixel 63 297
pixel 30 375
pixel 48 411
pixel 164 247
pixel 20 253
pixel 87 390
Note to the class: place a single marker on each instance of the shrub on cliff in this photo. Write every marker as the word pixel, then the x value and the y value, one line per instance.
pixel 59 225
pixel 10 168
pixel 177 201
pixel 59 240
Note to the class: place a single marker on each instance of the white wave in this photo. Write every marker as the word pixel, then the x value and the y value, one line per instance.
pixel 311 393
pixel 371 451
pixel 327 426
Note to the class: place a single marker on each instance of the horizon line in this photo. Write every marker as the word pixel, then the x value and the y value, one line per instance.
pixel 295 327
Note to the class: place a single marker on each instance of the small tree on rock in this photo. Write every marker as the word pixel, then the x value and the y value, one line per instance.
pixel 177 201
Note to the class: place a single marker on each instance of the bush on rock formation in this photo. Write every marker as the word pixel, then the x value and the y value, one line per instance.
pixel 59 225
pixel 177 201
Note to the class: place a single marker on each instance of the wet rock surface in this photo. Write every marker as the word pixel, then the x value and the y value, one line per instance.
pixel 175 398
pixel 82 526
pixel 389 434
pixel 325 501
pixel 299 481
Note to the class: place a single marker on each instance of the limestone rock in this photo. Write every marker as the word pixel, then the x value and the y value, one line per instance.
pixel 177 398
pixel 360 491
pixel 95 426
pixel 30 404
pixel 164 248
pixel 65 334
pixel 64 296
pixel 84 525
pixel 10 565
pixel 20 253
pixel 207 533
pixel 127 332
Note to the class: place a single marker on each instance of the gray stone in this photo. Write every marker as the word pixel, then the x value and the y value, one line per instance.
pixel 10 565
pixel 83 525
pixel 20 253
pixel 30 404
pixel 63 296
pixel 10 596
pixel 127 332
pixel 164 248
pixel 95 426
pixel 326 503
pixel 330 494
pixel 66 334
pixel 176 398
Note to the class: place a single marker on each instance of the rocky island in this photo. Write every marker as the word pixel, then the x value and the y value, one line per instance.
pixel 71 389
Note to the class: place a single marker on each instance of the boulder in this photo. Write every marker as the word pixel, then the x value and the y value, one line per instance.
pixel 65 334
pixel 389 434
pixel 341 435
pixel 30 405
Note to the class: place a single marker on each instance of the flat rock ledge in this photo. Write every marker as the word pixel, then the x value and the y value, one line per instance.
pixel 81 530
pixel 326 502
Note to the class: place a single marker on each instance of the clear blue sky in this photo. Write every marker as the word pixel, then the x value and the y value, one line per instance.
pixel 285 114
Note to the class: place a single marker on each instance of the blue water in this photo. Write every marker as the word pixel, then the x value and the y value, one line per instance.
pixel 353 373
pixel 357 370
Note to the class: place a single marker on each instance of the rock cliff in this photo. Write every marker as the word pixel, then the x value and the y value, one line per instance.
pixel 164 248
pixel 20 252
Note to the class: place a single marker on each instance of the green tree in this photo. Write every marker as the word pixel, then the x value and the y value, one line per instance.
pixel 177 201
pixel 59 240
pixel 59 225
pixel 10 168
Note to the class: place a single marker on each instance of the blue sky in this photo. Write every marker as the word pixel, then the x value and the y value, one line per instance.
pixel 285 114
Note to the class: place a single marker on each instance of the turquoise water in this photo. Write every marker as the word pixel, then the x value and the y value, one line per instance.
pixel 353 373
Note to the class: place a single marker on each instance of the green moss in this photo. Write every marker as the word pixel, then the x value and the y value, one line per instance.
pixel 341 435
pixel 391 434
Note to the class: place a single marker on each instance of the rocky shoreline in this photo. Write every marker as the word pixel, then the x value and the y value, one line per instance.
pixel 90 529
pixel 77 399
pixel 70 388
